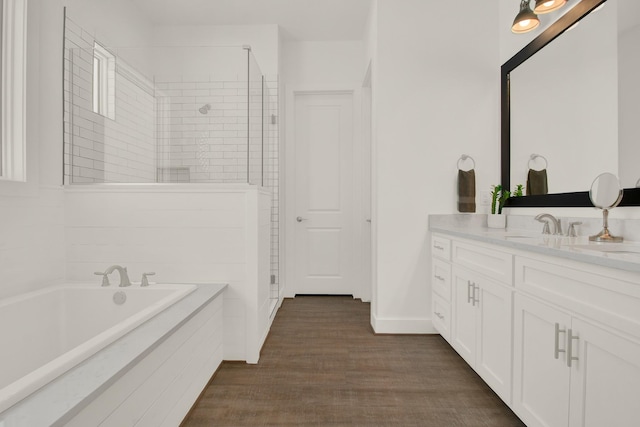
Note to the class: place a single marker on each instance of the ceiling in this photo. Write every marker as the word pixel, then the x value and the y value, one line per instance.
pixel 303 20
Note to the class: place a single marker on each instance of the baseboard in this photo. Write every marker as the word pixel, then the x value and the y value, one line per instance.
pixel 402 326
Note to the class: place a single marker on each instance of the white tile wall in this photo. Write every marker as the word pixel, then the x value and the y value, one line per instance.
pixel 99 149
pixel 212 147
pixel 31 241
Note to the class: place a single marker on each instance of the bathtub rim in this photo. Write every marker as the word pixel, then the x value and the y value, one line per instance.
pixel 60 400
pixel 15 391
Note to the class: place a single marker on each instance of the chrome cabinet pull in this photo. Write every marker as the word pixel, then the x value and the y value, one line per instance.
pixel 300 219
pixel 570 338
pixel 438 247
pixel 476 300
pixel 440 316
pixel 469 286
pixel 439 278
pixel 556 348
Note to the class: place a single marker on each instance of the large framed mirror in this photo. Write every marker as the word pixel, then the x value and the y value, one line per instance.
pixel 570 102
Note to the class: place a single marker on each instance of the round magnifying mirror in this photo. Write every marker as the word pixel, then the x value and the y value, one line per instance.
pixel 605 194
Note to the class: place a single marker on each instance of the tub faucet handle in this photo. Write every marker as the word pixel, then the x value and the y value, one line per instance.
pixel 105 278
pixel 145 281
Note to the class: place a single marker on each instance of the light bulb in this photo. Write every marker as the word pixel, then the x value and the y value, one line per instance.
pixel 548 6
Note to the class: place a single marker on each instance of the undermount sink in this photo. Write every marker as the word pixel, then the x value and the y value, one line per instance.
pixel 619 248
pixel 510 234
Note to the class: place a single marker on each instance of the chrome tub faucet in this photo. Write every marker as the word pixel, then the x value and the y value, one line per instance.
pixel 124 277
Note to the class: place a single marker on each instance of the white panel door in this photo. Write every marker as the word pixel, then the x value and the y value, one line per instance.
pixel 540 381
pixel 605 378
pixel 494 327
pixel 324 233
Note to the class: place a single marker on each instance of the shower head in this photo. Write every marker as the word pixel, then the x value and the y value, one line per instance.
pixel 205 109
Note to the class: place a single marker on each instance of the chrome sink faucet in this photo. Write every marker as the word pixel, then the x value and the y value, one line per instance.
pixel 124 277
pixel 548 218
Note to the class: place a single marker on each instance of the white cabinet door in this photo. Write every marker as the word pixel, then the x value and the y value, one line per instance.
pixel 463 331
pixel 605 380
pixel 493 343
pixel 541 383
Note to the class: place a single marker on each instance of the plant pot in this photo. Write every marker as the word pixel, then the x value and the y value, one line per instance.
pixel 496 221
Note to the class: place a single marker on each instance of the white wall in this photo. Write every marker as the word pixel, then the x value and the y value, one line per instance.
pixel 436 96
pixel 263 39
pixel 186 234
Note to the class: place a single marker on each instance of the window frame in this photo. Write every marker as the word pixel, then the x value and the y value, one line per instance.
pixel 13 93
pixel 103 81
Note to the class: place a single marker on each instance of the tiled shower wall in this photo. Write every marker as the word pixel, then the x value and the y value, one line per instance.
pixel 202 147
pixel 106 150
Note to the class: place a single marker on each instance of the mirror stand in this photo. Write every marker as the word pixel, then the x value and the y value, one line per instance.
pixel 604 235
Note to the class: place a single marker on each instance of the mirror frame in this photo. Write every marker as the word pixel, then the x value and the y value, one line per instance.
pixel 576 199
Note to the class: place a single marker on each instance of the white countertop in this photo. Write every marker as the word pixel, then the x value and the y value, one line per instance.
pixel 60 400
pixel 622 256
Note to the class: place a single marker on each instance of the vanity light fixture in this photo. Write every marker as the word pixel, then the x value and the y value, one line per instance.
pixel 546 6
pixel 525 20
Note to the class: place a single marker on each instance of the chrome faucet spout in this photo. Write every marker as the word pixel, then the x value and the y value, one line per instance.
pixel 124 276
pixel 548 218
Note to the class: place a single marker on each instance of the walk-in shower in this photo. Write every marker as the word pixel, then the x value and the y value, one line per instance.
pixel 169 114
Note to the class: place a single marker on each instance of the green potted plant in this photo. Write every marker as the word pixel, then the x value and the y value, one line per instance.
pixel 498 198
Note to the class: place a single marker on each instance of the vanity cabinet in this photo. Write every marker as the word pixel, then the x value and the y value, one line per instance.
pixel 569 368
pixel 557 339
pixel 471 310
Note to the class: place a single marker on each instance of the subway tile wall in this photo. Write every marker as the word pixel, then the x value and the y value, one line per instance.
pixel 210 144
pixel 97 148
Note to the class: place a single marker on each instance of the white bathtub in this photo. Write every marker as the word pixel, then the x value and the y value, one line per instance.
pixel 45 333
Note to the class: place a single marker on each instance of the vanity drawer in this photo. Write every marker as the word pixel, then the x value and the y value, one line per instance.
pixel 607 295
pixel 494 264
pixel 441 247
pixel 440 315
pixel 441 278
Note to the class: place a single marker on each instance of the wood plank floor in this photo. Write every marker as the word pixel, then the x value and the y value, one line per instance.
pixel 323 366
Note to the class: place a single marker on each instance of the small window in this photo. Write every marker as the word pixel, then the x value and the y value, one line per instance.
pixel 104 78
pixel 13 58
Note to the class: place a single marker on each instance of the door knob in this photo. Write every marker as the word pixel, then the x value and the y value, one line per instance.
pixel 300 219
